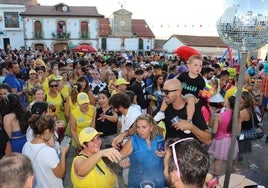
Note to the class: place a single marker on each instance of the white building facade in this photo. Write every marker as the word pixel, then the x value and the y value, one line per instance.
pixel 59 27
pixel 11 26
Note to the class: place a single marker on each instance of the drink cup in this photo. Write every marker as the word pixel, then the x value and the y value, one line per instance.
pixel 175 119
pixel 147 184
pixel 187 131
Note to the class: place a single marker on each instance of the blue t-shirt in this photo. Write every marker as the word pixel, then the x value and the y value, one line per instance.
pixel 13 82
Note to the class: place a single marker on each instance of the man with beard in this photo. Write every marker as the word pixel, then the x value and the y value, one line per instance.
pixel 121 104
pixel 14 82
pixel 177 107
pixel 207 74
pixel 186 163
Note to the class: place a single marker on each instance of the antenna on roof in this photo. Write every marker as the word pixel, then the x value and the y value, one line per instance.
pixel 122 4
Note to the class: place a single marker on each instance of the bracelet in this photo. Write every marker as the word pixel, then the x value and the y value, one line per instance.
pixel 189 121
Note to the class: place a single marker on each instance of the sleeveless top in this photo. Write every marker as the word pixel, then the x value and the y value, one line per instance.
pixel 65 91
pixel 99 177
pixel 45 86
pixel 246 124
pixel 58 103
pixel 141 169
pixel 72 105
pixel 17 141
pixel 83 120
pixel 222 128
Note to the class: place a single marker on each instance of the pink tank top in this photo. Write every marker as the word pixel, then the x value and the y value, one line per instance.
pixel 222 128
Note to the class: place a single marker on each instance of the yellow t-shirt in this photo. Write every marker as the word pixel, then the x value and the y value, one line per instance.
pixel 58 103
pixel 71 104
pixel 100 176
pixel 65 91
pixel 45 86
pixel 83 120
pixel 29 87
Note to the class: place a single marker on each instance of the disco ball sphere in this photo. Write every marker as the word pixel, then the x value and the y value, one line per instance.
pixel 244 24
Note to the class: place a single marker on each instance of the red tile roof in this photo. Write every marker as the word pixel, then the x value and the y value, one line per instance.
pixel 74 11
pixel 139 27
pixel 104 27
pixel 201 41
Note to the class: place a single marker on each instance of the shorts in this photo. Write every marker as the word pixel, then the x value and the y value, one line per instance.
pixel 189 95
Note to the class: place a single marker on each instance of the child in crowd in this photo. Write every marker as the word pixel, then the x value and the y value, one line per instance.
pixel 221 129
pixel 192 84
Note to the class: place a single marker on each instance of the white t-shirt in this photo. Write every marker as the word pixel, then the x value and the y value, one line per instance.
pixel 44 159
pixel 128 119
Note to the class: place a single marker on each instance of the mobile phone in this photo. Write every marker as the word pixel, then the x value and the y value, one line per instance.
pixel 160 145
pixel 65 141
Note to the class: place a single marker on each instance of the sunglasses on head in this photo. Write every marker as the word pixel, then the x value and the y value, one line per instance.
pixel 175 155
pixel 53 86
pixel 166 91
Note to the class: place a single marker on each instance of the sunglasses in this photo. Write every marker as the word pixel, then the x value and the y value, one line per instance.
pixel 53 86
pixel 174 153
pixel 166 92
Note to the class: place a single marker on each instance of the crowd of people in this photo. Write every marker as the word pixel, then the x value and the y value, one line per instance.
pixel 117 107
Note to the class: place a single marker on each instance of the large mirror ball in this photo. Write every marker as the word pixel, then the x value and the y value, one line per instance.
pixel 244 24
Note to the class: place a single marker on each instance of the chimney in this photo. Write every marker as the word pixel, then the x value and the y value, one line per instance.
pixel 32 3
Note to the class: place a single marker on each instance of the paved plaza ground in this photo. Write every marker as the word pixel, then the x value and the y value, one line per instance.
pixel 254 166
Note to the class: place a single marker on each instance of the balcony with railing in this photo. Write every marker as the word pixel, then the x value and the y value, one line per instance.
pixel 38 35
pixel 61 35
pixel 84 35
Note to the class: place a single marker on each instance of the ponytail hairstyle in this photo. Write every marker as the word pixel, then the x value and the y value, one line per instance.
pixel 231 101
pixel 74 91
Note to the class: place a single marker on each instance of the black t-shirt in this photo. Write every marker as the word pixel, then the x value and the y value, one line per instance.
pixel 191 85
pixel 139 89
pixel 3 141
pixel 107 127
pixel 170 113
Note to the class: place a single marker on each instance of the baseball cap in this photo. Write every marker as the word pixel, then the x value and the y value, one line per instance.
pixel 82 98
pixel 87 134
pixel 58 77
pixel 32 71
pixel 120 81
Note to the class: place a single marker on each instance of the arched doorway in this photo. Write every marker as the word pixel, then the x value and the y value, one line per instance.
pixel 39 46
pixel 60 47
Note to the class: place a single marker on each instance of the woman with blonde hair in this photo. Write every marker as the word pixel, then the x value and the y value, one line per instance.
pixel 247 112
pixel 143 145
